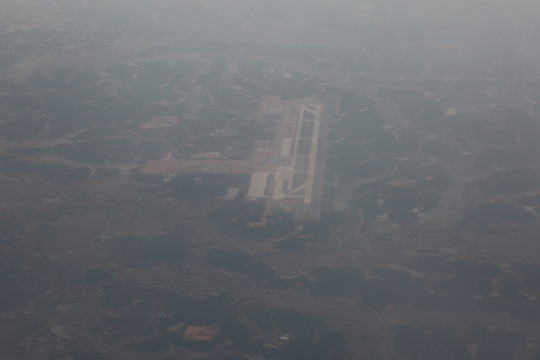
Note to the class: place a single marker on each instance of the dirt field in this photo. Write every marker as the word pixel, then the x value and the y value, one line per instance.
pixel 160 122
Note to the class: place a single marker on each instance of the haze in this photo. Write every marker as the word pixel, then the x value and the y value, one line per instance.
pixel 284 180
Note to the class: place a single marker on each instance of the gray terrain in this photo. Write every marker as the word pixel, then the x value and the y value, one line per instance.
pixel 240 179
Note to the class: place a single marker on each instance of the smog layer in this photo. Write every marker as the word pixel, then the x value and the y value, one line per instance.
pixel 235 179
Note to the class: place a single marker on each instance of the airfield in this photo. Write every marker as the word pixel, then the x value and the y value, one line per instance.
pixel 286 171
